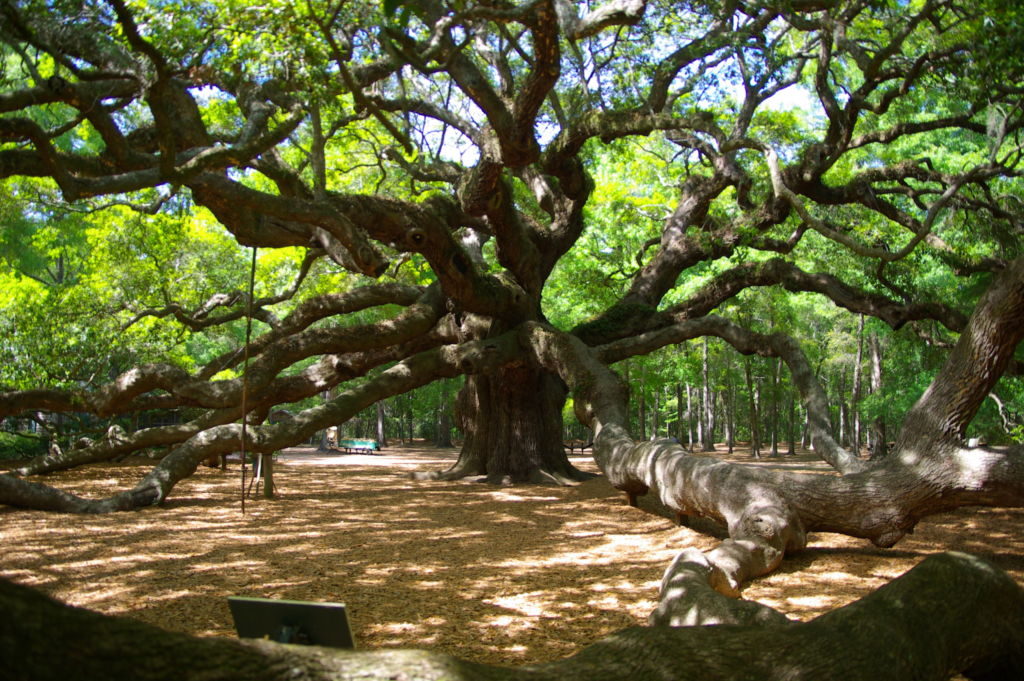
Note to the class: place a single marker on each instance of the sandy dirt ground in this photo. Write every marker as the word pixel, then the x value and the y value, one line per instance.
pixel 504 575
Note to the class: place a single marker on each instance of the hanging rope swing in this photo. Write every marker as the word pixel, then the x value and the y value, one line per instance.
pixel 245 371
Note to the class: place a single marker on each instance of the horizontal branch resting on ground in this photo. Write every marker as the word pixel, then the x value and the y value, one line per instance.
pixel 910 628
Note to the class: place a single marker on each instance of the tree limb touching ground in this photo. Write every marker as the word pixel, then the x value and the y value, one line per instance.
pixel 456 163
pixel 910 628
pixel 769 513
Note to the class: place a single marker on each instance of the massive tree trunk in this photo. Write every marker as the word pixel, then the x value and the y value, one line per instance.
pixel 512 422
pixel 908 629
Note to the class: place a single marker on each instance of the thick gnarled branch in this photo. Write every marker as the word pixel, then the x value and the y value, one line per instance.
pixel 924 635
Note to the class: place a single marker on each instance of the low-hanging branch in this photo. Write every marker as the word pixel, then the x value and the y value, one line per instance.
pixel 200 318
pixel 276 354
pixel 419 369
pixel 769 513
pixel 782 272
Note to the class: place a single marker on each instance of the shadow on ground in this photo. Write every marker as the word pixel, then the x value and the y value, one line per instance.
pixel 505 575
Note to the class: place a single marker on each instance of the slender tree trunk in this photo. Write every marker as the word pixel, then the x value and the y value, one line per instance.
pixel 443 436
pixel 382 439
pixel 857 387
pixel 411 415
pixel 791 423
pixel 879 449
pixel 713 416
pixel 755 421
pixel 805 438
pixel 691 440
pixel 267 471
pixel 774 413
pixel 708 435
pixel 681 427
pixel 655 425
pixel 698 406
pixel 325 444
pixel 642 406
pixel 841 413
pixel 730 408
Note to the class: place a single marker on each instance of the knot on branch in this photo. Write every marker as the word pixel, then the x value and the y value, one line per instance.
pixel 416 238
pixel 888 527
pixel 59 86
pixel 689 596
pixel 115 435
pixel 775 525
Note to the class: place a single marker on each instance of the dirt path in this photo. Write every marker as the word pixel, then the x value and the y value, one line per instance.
pixel 499 575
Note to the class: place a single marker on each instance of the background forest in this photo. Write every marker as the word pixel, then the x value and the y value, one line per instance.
pixel 92 293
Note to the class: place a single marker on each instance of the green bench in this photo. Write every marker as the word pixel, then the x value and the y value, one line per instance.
pixel 359 445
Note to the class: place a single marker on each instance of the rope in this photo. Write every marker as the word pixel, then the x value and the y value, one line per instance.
pixel 245 367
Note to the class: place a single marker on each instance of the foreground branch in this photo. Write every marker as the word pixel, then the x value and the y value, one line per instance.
pixel 908 629
pixel 769 513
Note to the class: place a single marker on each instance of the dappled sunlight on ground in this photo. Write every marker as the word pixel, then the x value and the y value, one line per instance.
pixel 492 574
pixel 836 569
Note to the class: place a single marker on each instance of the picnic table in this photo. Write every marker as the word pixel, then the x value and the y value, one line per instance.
pixel 356 445
pixel 577 444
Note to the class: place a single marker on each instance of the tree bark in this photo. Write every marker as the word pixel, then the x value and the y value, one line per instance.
pixel 708 412
pixel 879 446
pixel 641 410
pixel 729 404
pixel 857 386
pixel 382 438
pixel 770 513
pixel 682 426
pixel 774 412
pixel 792 425
pixel 977 361
pixel 690 426
pixel 411 417
pixel 443 437
pixel 842 413
pixel 512 421
pixel 655 413
pixel 752 411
